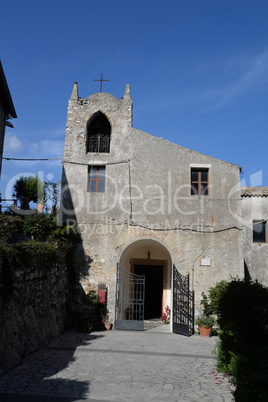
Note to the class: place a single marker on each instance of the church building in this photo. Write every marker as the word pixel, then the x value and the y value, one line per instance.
pixel 159 223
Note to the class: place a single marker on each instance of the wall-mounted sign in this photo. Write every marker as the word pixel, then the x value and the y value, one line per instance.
pixel 205 261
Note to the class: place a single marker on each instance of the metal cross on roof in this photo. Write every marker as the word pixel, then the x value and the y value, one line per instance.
pixel 101 81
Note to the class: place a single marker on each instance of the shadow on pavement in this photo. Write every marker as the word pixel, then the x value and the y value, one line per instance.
pixel 33 398
pixel 39 377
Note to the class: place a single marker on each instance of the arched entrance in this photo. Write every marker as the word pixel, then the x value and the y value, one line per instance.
pixel 143 283
pixel 145 268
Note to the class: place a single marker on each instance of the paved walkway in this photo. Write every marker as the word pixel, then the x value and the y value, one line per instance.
pixel 153 365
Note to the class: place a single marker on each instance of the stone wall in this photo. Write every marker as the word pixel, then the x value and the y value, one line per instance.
pixel 35 313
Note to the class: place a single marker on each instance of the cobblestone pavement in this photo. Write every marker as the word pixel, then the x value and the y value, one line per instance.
pixel 153 365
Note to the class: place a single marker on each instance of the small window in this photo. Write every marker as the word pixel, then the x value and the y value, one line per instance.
pixel 259 232
pixel 96 179
pixel 199 181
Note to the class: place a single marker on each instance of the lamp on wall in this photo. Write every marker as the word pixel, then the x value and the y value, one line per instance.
pixel 149 255
pixel 9 124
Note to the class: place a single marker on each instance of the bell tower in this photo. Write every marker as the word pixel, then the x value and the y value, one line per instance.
pixel 98 132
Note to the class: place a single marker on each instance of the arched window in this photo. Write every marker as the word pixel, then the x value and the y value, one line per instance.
pixel 99 134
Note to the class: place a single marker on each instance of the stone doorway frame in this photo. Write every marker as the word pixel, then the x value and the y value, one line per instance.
pixel 147 261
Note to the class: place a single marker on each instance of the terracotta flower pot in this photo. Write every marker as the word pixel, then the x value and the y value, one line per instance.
pixel 205 332
pixel 108 326
pixel 40 208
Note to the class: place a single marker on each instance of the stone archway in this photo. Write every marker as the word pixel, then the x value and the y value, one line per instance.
pixel 152 259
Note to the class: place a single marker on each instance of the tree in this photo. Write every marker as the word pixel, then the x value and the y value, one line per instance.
pixel 52 192
pixel 27 189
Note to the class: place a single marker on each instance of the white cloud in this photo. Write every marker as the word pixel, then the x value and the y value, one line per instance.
pixel 223 81
pixel 12 144
pixel 39 149
pixel 255 75
pixel 228 80
pixel 250 72
pixel 46 149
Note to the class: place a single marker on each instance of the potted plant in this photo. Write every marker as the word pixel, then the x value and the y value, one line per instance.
pixel 28 189
pixel 205 325
pixel 206 321
pixel 166 315
pixel 41 198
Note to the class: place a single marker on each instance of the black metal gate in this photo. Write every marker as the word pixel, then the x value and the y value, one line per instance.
pixel 129 303
pixel 183 304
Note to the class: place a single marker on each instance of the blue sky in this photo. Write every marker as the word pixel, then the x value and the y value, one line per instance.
pixel 197 69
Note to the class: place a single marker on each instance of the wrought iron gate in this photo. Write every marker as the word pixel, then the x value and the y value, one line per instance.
pixel 183 304
pixel 129 303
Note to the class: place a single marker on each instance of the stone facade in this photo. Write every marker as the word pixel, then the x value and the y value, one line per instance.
pixel 148 211
pixel 255 209
pixel 35 314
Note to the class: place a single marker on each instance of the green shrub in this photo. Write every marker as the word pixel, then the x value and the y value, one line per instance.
pixel 251 377
pixel 206 318
pixel 205 302
pixel 243 312
pixel 64 234
pixel 22 254
pixel 215 294
pixel 9 226
pixel 41 251
pixel 207 322
pixel 227 349
pixel 242 350
pixel 38 226
pixel 90 298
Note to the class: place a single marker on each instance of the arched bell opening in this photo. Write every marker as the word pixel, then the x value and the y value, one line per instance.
pixel 98 134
